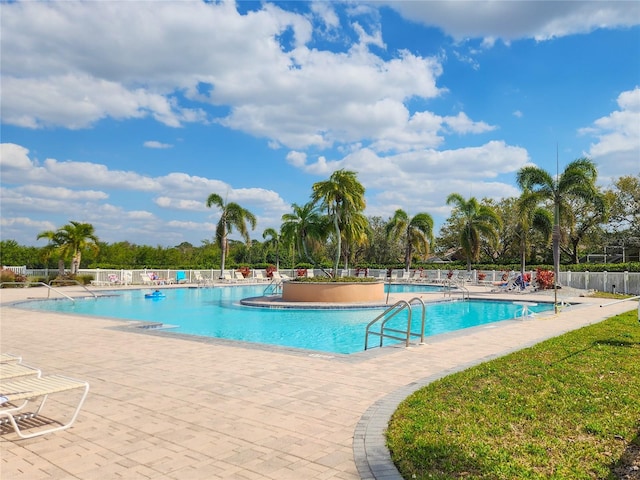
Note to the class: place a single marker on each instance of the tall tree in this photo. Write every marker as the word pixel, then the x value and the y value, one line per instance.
pixel 581 219
pixel 343 197
pixel 274 239
pixel 70 240
pixel 232 216
pixel 478 222
pixel 416 232
pixel 302 227
pixel 355 234
pixel 531 218
pixel 577 180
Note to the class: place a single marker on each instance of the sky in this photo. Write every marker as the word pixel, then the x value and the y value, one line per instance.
pixel 129 114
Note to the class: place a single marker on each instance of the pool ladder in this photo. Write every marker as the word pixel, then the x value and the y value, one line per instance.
pixel 274 288
pixel 388 314
pixel 456 287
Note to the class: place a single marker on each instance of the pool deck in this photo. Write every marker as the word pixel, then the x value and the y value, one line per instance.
pixel 170 407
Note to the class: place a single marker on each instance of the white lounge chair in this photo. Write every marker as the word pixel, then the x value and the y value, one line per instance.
pixel 11 370
pixel 18 393
pixel 239 277
pixel 226 277
pixel 259 276
pixel 147 279
pixel 279 277
pixel 417 276
pixel 10 358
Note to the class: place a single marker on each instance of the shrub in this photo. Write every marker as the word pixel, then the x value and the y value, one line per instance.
pixel 335 280
pixel 7 275
pixel 544 278
pixel 85 279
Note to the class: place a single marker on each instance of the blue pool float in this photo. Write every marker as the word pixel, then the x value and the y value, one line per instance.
pixel 156 294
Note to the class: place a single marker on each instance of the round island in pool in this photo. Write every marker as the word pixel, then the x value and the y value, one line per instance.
pixel 333 292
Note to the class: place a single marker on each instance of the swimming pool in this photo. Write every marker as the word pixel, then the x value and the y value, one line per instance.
pixel 216 312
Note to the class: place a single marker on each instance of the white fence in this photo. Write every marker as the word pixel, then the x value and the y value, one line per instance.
pixel 619 282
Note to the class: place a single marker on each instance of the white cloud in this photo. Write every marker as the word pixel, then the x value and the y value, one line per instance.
pixel 617 150
pixel 156 144
pixel 271 88
pixel 67 189
pixel 519 19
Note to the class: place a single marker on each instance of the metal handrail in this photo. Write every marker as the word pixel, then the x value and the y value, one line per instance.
pixel 74 281
pixel 40 283
pixel 637 297
pixel 450 286
pixel 394 310
pixel 273 288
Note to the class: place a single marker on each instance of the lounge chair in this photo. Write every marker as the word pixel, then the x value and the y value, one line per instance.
pixel 11 370
pixel 200 280
pixel 259 276
pixel 147 279
pixel 417 276
pixel 507 284
pixel 239 277
pixel 279 277
pixel 226 277
pixel 310 273
pixel 10 358
pixel 18 393
pixel 181 277
pixel 406 276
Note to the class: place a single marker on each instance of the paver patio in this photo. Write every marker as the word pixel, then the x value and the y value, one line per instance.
pixel 167 407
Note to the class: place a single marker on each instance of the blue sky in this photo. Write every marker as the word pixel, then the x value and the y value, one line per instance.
pixel 127 115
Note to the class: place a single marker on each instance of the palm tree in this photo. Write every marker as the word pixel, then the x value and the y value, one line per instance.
pixel 355 234
pixel 233 216
pixel 577 180
pixel 531 217
pixel 343 197
pixel 478 221
pixel 274 238
pixel 303 226
pixel 417 232
pixel 71 240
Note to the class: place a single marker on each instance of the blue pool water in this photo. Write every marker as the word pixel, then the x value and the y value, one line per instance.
pixel 215 312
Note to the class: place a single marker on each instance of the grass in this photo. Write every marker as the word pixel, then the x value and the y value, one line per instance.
pixel 567 408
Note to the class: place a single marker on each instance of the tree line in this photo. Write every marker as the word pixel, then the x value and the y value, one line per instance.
pixel 556 219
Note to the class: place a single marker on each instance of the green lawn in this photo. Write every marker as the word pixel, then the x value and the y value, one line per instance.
pixel 567 408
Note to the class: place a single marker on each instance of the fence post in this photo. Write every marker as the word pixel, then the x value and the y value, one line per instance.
pixel 625 282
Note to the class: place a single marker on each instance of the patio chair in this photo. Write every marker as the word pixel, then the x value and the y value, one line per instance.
pixel 181 277
pixel 239 277
pixel 17 394
pixel 226 277
pixel 10 358
pixel 507 284
pixel 417 276
pixel 200 280
pixel 12 370
pixel 279 277
pixel 147 279
pixel 259 276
